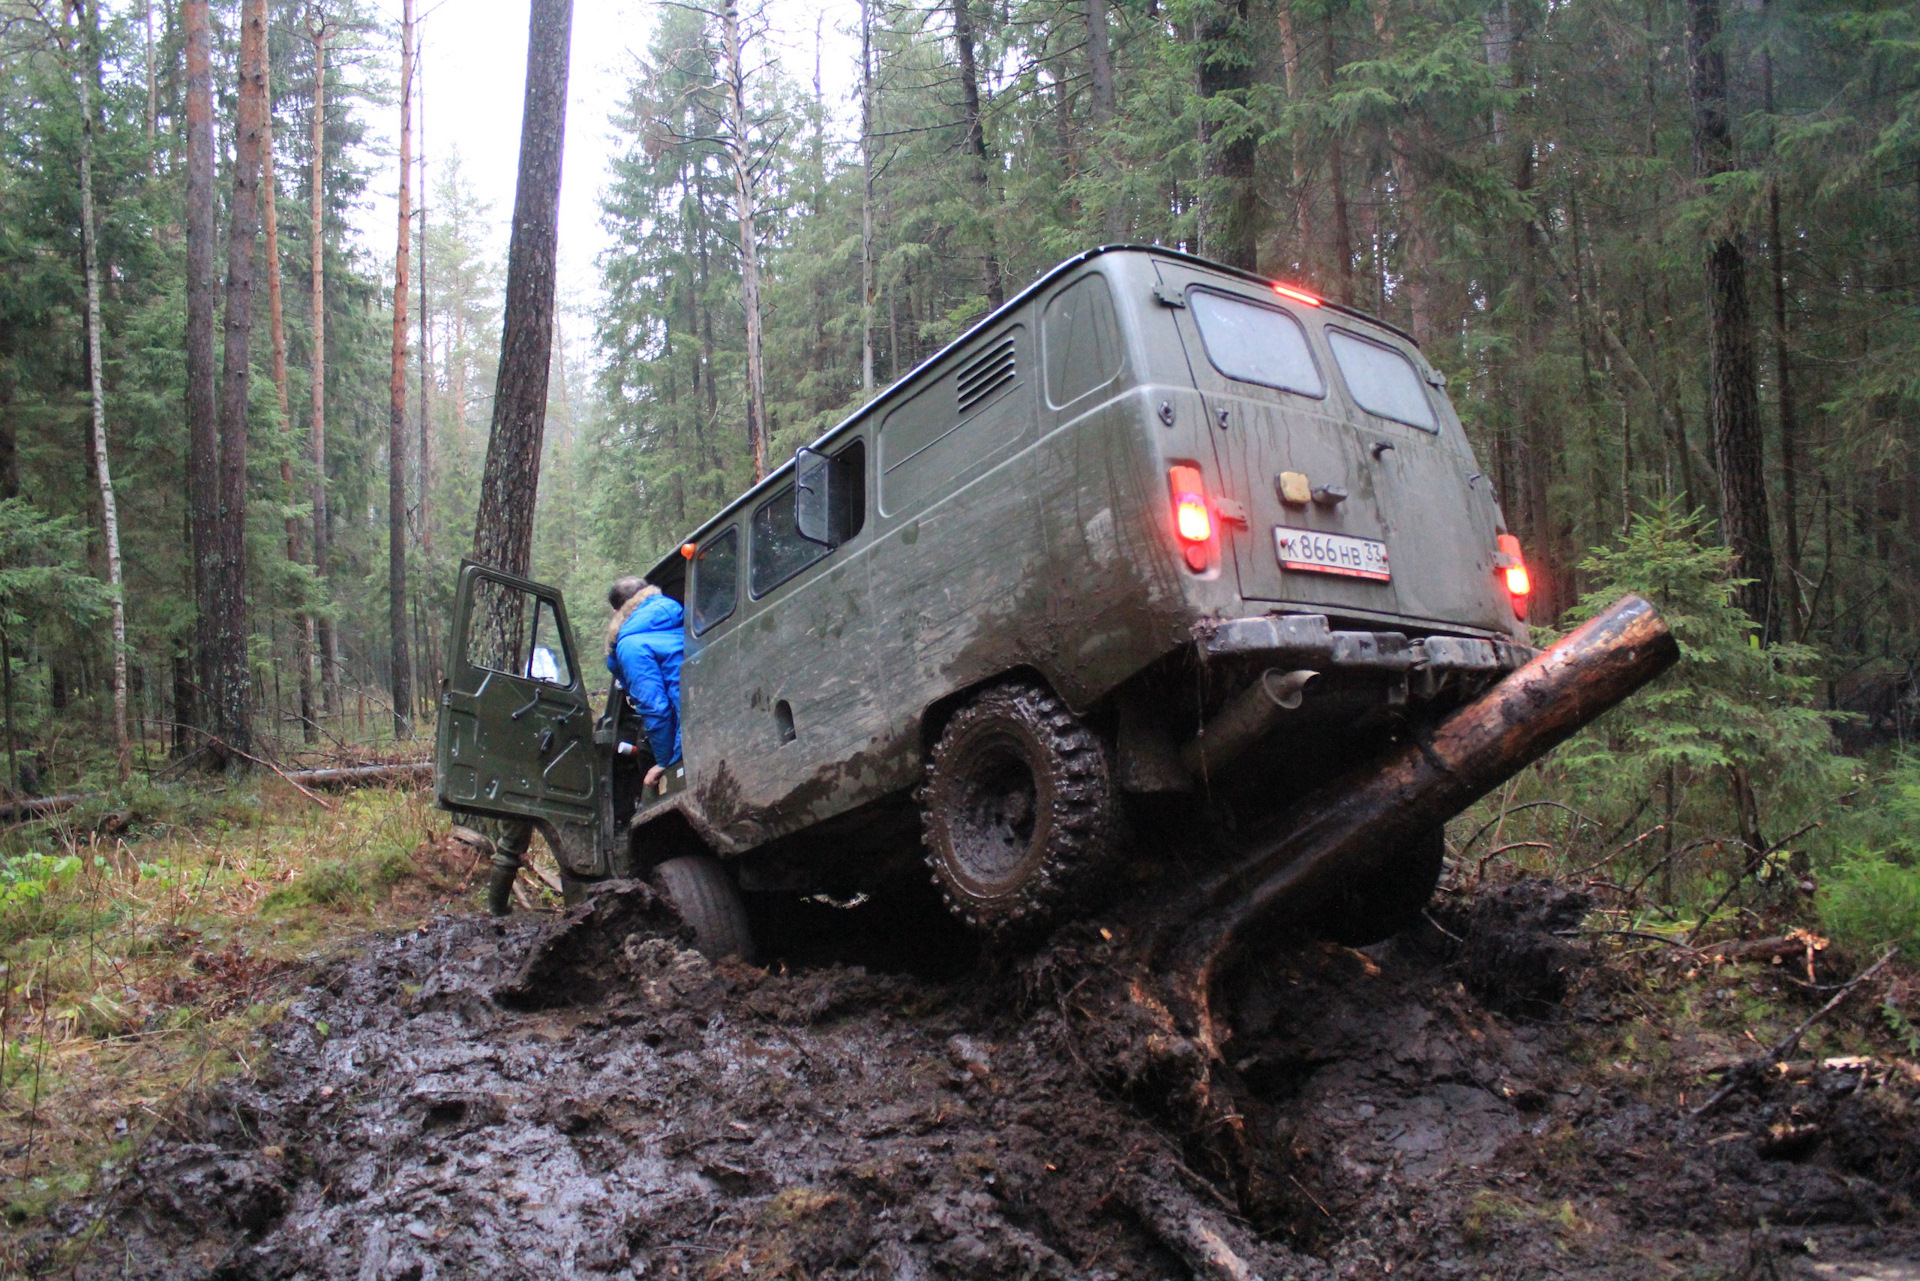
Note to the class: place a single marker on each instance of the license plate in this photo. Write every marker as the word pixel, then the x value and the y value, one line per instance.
pixel 1318 553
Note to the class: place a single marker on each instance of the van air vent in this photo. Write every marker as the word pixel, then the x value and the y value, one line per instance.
pixel 988 374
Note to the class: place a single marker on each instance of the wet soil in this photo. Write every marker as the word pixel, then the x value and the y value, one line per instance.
pixel 586 1096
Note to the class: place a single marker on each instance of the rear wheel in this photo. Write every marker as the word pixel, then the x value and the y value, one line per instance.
pixel 1386 895
pixel 1017 808
pixel 702 891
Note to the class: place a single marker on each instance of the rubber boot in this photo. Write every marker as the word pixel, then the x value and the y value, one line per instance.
pixel 507 851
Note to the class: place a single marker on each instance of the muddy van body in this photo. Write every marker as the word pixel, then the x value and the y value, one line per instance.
pixel 1155 528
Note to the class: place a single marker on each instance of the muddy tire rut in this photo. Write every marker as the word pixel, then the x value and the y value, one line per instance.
pixel 587 1096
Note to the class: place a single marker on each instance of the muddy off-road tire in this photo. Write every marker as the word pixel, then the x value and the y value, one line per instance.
pixel 702 891
pixel 1387 895
pixel 1017 809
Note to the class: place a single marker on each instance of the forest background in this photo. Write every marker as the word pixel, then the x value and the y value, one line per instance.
pixel 1667 253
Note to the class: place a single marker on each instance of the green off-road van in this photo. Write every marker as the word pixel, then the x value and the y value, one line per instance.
pixel 1157 537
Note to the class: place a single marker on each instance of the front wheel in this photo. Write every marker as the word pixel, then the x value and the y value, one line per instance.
pixel 1018 808
pixel 702 891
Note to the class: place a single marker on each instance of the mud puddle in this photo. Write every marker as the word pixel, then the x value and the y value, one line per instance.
pixel 587 1097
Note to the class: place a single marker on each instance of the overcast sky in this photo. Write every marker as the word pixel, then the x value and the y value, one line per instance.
pixel 474 71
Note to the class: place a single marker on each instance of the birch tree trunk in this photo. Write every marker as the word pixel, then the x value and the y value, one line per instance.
pixel 509 485
pixel 96 387
pixel 327 640
pixel 203 432
pixel 746 194
pixel 401 673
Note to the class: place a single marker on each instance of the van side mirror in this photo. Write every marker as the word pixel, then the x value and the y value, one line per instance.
pixel 813 496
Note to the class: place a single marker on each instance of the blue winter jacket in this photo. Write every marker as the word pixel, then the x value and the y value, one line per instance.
pixel 646 657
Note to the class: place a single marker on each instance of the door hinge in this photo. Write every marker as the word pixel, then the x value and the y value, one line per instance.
pixel 1167 296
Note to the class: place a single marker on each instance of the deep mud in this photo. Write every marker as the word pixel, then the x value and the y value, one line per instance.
pixel 587 1097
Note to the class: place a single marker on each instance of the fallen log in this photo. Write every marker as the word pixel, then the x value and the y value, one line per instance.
pixel 334 777
pixel 1389 803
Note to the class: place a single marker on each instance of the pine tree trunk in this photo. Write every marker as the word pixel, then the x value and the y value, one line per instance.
pixel 976 143
pixel 746 196
pixel 1101 107
pixel 1782 371
pixel 866 196
pixel 1228 200
pixel 203 432
pixel 427 459
pixel 96 387
pixel 503 529
pixel 326 639
pixel 400 670
pixel 1302 169
pixel 1733 403
pixel 277 333
pixel 231 690
pixel 1337 179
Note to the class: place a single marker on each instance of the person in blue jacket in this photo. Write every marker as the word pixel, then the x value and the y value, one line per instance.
pixel 645 642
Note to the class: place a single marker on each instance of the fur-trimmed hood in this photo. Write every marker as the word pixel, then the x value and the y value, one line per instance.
pixel 621 615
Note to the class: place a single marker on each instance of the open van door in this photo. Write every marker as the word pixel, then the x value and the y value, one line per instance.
pixel 516 731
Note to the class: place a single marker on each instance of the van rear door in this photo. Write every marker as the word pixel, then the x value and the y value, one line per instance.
pixel 516 731
pixel 1411 538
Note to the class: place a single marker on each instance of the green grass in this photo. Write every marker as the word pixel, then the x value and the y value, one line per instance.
pixel 1870 902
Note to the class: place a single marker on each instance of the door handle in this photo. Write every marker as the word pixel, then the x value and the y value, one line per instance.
pixel 529 707
pixel 546 740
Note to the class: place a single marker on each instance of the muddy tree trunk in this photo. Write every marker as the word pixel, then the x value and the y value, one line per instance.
pixel 1389 803
pixel 401 673
pixel 746 194
pixel 503 530
pixel 1733 403
pixel 96 386
pixel 203 432
pixel 1228 201
pixel 976 144
pixel 326 640
pixel 231 689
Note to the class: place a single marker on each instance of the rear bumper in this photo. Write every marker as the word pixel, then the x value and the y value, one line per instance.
pixel 1307 640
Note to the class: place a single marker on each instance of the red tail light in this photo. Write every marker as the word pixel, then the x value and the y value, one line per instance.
pixel 1192 521
pixel 1519 582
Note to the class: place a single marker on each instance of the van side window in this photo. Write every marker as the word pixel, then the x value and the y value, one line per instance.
pixel 778 552
pixel 1255 344
pixel 716 579
pixel 1382 380
pixel 849 492
pixel 1080 336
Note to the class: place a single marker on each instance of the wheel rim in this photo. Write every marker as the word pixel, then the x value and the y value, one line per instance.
pixel 995 816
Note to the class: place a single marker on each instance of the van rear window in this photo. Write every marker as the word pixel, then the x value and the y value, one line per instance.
pixel 1382 380
pixel 1256 344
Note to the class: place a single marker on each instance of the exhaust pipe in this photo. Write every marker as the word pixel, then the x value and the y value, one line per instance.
pixel 1246 719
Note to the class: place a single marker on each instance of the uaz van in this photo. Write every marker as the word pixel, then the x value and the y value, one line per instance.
pixel 1155 534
